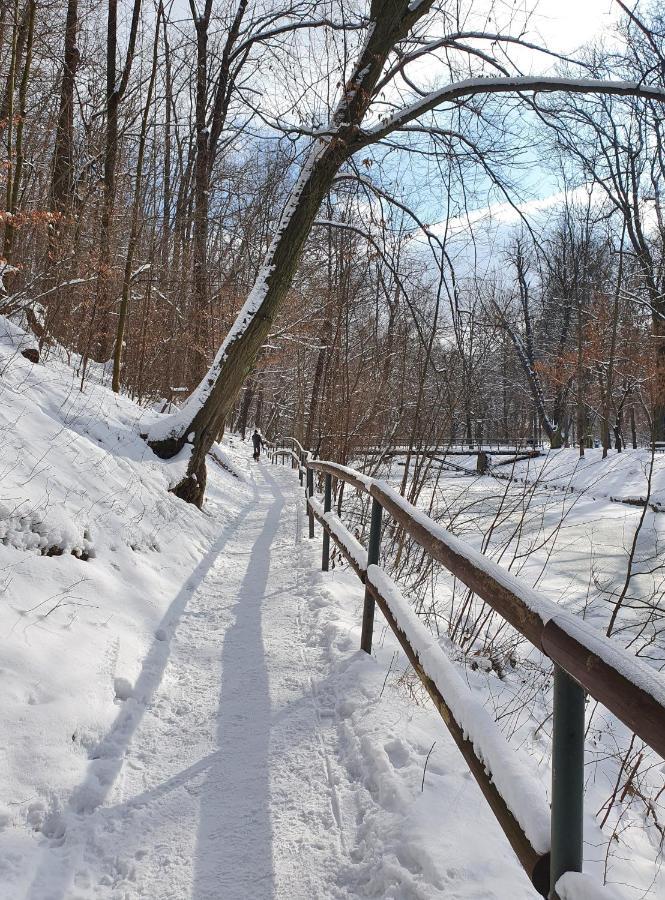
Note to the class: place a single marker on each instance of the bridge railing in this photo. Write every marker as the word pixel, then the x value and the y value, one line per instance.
pixel 548 840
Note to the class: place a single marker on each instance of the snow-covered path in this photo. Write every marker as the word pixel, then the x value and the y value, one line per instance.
pixel 185 711
pixel 259 754
pixel 214 781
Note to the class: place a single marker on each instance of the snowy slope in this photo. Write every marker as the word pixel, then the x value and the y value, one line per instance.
pixel 188 711
pixel 96 562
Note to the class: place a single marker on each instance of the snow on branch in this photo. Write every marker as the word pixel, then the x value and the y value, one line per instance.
pixel 537 84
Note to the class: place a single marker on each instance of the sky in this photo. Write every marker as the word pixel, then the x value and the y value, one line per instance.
pixel 566 24
pixel 563 26
pixel 560 25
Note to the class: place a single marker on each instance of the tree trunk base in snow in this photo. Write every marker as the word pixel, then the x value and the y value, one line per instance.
pixel 192 487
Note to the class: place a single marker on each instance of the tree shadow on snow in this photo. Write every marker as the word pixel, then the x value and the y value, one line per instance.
pixel 233 857
pixel 53 876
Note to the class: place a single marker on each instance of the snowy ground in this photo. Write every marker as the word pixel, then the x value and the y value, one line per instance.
pixel 266 758
pixel 622 476
pixel 573 546
pixel 188 711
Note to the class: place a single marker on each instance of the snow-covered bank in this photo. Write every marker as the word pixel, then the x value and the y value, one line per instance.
pixel 194 718
pixel 574 546
pixel 97 561
pixel 622 476
pixel 189 711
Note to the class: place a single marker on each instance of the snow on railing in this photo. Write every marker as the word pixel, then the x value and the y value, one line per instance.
pixel 549 846
pixel 637 693
pixel 351 547
pixel 520 789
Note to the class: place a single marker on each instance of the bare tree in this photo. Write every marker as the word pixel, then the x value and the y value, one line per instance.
pixel 391 22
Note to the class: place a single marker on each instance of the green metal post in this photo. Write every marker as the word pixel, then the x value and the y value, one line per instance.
pixel 302 463
pixel 310 493
pixel 327 504
pixel 373 550
pixel 567 778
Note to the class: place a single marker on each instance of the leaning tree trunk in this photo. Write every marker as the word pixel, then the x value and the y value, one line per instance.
pixel 208 406
pixel 236 358
pixel 389 22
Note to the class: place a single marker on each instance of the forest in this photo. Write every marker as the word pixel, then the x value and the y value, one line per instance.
pixel 421 239
pixel 153 154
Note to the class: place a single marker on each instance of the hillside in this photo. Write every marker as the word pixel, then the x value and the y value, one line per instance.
pixel 139 630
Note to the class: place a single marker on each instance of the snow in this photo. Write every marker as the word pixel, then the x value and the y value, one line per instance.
pixel 95 565
pixel 353 473
pixel 14 339
pixel 189 711
pixel 620 477
pixel 353 546
pixel 521 791
pixel 577 886
pixel 612 653
pixel 483 85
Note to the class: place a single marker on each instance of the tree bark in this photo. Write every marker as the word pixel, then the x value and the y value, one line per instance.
pixel 16 166
pixel 134 227
pixel 201 311
pixel 115 90
pixel 62 179
pixel 207 140
pixel 244 409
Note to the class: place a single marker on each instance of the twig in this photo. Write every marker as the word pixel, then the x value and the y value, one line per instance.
pixel 422 784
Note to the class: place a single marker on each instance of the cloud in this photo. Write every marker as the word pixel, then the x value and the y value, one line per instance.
pixel 502 215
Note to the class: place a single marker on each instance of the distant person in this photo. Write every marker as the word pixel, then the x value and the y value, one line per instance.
pixel 258 442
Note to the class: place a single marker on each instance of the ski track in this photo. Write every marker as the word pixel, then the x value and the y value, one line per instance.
pixel 226 785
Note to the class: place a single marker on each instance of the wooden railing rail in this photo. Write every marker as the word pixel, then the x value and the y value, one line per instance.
pixel 585 661
pixel 284 454
pixel 300 448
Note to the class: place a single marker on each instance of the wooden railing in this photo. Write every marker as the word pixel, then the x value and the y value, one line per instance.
pixel 547 839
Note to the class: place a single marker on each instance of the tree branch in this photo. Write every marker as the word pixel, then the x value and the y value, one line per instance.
pixel 473 86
